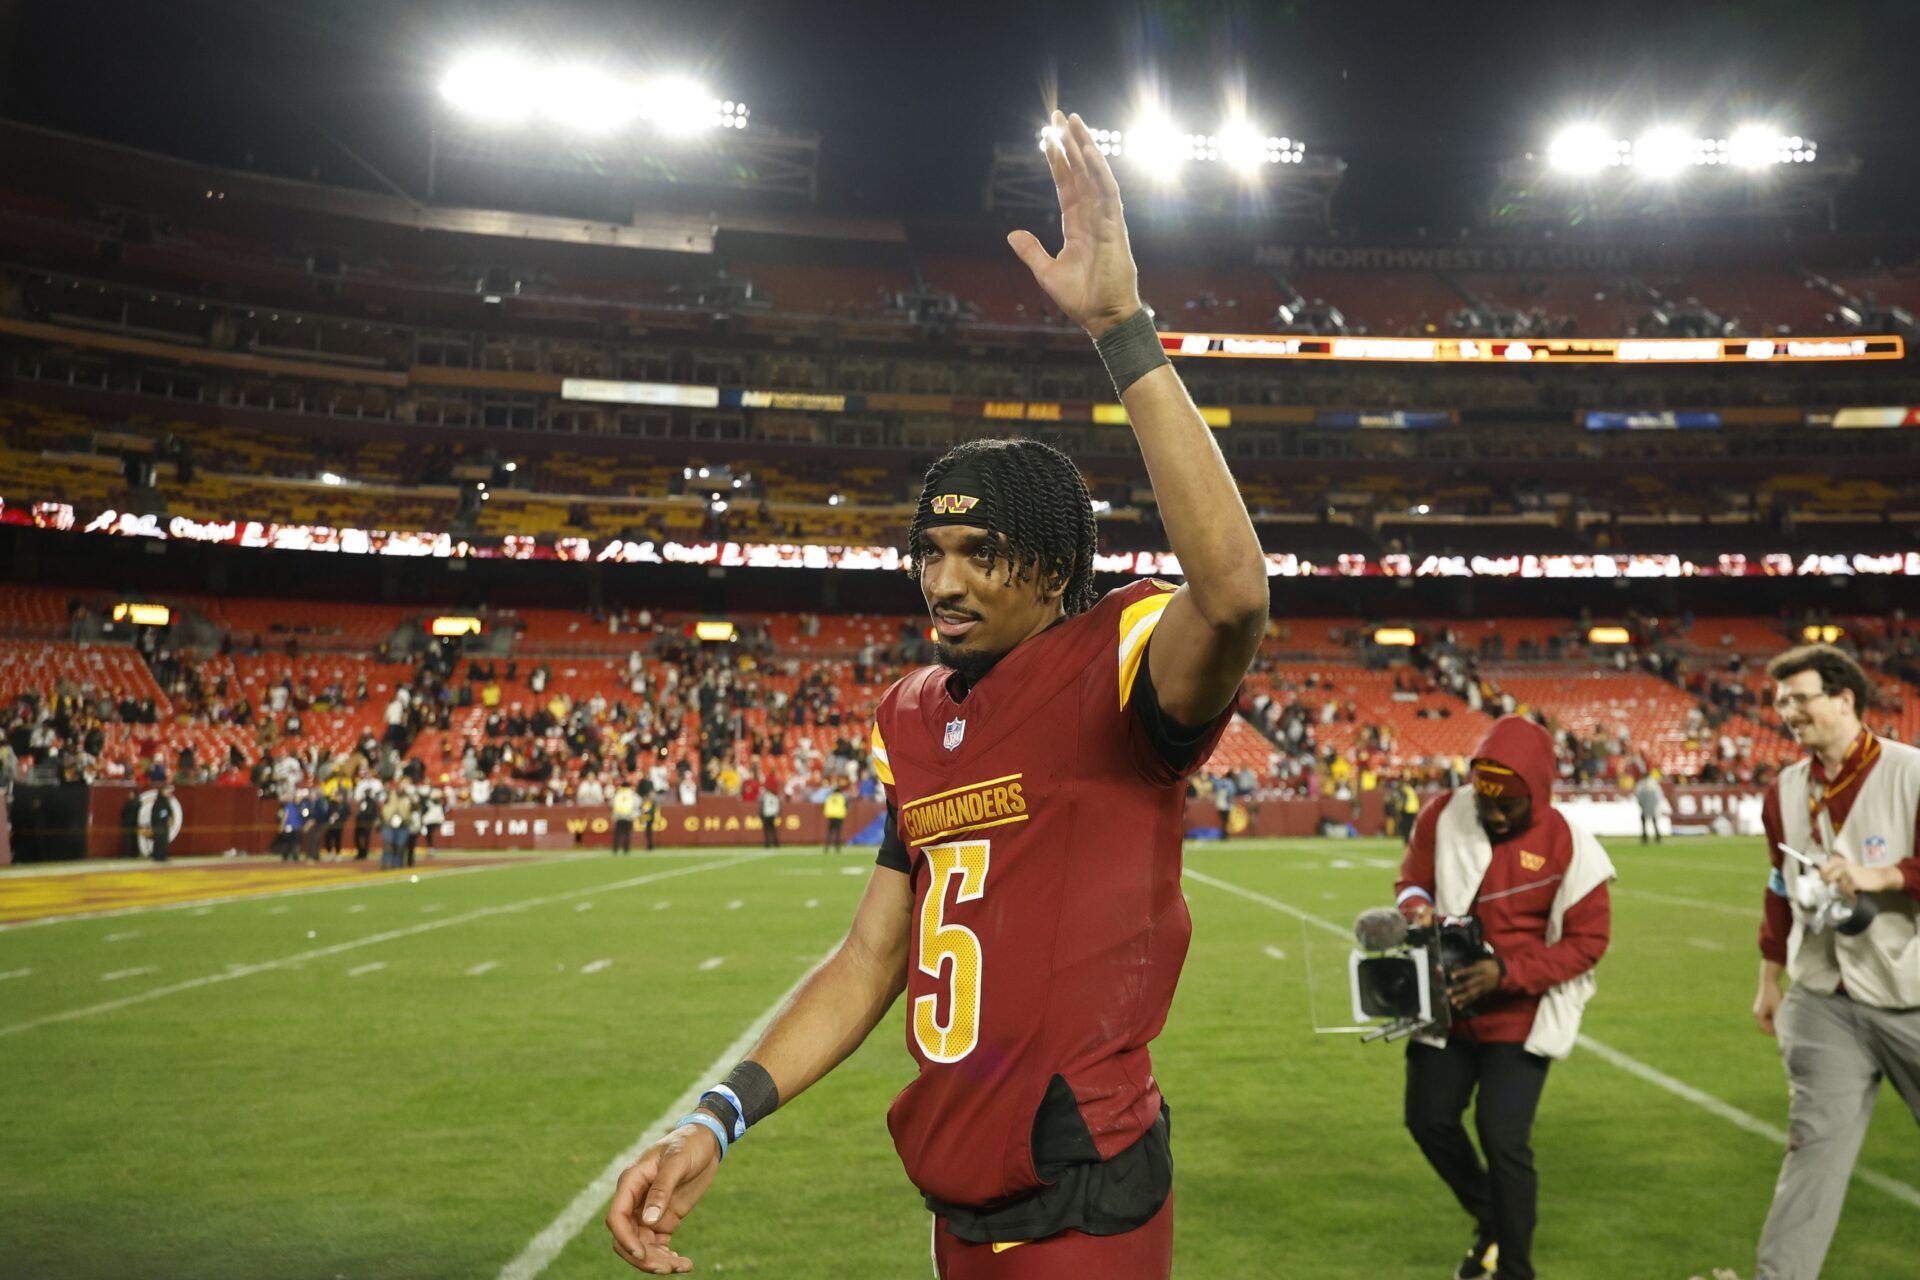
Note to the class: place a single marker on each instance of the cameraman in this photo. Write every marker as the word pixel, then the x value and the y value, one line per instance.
pixel 1497 850
pixel 1853 1013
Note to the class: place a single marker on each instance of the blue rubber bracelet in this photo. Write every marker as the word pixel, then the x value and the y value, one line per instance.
pixel 739 1112
pixel 718 1130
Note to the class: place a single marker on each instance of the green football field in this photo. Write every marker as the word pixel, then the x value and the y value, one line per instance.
pixel 432 1079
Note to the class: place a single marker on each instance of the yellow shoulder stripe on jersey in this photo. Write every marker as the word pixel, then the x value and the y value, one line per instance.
pixel 882 767
pixel 1137 622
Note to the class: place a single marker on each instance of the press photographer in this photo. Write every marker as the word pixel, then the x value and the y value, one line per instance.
pixel 1495 851
pixel 1841 911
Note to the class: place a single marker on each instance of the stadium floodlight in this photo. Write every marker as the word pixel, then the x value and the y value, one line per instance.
pixel 1246 148
pixel 1160 146
pixel 496 87
pixel 679 106
pixel 503 89
pixel 1156 145
pixel 1758 146
pixel 1585 149
pixel 1662 153
pixel 588 99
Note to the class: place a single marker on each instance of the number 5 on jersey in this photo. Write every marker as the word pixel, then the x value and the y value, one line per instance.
pixel 940 943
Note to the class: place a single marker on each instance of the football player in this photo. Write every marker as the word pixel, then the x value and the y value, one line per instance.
pixel 1027 894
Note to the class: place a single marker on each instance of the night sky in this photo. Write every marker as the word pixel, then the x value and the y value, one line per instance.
pixel 1421 99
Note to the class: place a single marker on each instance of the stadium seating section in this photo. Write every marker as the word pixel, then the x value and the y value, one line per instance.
pixel 1393 717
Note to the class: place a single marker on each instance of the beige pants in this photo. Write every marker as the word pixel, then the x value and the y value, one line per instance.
pixel 1836 1052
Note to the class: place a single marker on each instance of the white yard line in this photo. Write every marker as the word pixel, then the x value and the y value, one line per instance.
pixel 338 948
pixel 485 966
pixel 1633 1066
pixel 15 973
pixel 711 963
pixel 118 974
pixel 361 971
pixel 595 966
pixel 591 1202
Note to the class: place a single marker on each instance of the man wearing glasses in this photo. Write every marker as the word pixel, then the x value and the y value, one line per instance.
pixel 1840 919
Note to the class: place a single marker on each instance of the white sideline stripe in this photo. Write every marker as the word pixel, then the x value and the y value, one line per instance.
pixel 1632 1066
pixel 1274 953
pixel 390 935
pixel 122 937
pixel 118 974
pixel 1706 944
pixel 484 966
pixel 14 973
pixel 1735 1116
pixel 361 971
pixel 584 906
pixel 595 966
pixel 735 905
pixel 356 908
pixel 42 921
pixel 558 1234
pixel 711 963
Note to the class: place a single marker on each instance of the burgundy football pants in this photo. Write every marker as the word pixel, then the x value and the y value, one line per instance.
pixel 1145 1253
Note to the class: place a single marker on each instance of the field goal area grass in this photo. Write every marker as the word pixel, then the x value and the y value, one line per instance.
pixel 397 1077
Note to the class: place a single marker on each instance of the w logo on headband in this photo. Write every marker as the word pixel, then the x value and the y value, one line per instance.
pixel 954 504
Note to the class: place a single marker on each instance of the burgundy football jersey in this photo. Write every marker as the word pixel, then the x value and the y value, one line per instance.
pixel 1043 834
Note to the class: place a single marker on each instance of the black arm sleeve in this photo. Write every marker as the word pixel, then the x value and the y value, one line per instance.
pixel 1178 744
pixel 893 851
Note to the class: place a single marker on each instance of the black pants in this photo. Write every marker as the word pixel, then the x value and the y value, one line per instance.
pixel 362 837
pixel 770 833
pixel 833 833
pixel 1646 823
pixel 1501 1195
pixel 623 835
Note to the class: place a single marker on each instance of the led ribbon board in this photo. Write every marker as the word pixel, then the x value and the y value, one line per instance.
pixel 1630 351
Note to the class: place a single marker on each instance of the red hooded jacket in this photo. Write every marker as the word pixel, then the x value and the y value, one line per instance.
pixel 1516 894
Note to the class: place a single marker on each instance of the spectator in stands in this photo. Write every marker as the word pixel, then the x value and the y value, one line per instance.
pixel 649 814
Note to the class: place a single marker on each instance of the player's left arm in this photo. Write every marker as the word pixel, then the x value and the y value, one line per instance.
pixel 1211 629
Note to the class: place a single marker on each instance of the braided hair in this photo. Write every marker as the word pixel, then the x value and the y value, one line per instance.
pixel 1036 500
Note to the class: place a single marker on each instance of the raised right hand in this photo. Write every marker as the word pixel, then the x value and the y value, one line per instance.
pixel 1766 1005
pixel 656 1193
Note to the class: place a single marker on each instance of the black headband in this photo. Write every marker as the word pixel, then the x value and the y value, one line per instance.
pixel 958 497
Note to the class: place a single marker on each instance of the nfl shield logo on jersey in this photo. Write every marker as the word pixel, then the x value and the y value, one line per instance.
pixel 956 730
pixel 1873 848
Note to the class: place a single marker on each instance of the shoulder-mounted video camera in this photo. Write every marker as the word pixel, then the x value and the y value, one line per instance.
pixel 1401 971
